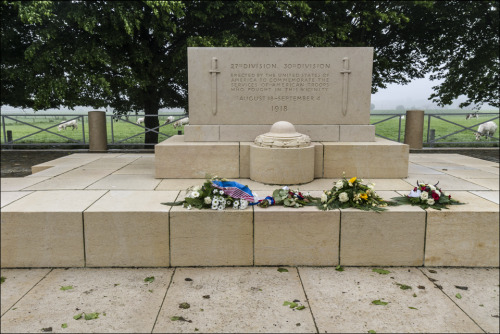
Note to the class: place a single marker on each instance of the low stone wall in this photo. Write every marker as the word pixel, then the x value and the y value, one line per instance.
pixel 97 228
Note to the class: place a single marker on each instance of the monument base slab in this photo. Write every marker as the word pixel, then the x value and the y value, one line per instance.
pixel 177 158
pixel 317 132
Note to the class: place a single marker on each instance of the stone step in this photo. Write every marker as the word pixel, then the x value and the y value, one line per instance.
pixel 176 158
pixel 131 228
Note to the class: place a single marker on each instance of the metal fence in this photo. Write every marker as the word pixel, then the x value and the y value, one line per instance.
pixel 26 136
pixel 125 131
pixel 439 128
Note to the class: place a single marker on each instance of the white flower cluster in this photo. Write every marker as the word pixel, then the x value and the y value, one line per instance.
pixel 241 204
pixel 220 203
pixel 343 197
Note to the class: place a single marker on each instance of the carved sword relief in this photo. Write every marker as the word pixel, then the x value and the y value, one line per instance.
pixel 214 72
pixel 345 71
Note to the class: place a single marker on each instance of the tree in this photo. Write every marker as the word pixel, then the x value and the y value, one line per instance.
pixel 372 106
pixel 131 56
pixel 116 54
pixel 400 107
pixel 460 41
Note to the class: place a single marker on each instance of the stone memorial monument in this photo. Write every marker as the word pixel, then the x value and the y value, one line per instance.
pixel 237 94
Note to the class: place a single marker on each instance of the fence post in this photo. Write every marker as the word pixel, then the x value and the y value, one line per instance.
pixel 98 141
pixel 414 128
pixel 9 139
pixel 432 137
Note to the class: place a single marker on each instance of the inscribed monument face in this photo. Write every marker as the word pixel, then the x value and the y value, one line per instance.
pixel 257 86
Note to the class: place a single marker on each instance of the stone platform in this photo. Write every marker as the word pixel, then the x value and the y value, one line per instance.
pixel 381 158
pixel 104 210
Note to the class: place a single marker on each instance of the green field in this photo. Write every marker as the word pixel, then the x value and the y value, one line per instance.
pixel 118 132
pixel 444 129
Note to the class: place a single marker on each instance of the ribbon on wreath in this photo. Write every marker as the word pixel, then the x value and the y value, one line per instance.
pixel 235 190
pixel 269 199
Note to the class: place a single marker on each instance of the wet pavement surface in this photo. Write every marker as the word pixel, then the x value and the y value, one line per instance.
pixel 17 163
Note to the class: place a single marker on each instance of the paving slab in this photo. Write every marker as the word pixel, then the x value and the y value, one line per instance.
pixel 414 168
pixel 446 182
pixel 8 197
pixel 472 174
pixel 180 184
pixel 145 160
pixel 444 166
pixel 430 157
pixel 475 291
pixel 87 173
pixel 235 300
pixel 126 182
pixel 469 161
pixel 135 169
pixel 17 283
pixel 124 301
pixel 490 169
pixel 388 184
pixel 20 183
pixel 492 196
pixel 65 183
pixel 491 184
pixel 53 171
pixel 342 302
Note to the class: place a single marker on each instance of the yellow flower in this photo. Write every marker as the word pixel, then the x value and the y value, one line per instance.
pixel 363 196
pixel 352 180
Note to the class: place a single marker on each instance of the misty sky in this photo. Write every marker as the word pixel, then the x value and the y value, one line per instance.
pixel 415 94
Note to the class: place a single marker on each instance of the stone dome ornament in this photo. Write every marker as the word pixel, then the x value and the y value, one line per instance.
pixel 282 135
pixel 282 156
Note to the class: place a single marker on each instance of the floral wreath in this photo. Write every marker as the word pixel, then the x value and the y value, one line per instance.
pixel 217 194
pixel 352 194
pixel 287 197
pixel 428 196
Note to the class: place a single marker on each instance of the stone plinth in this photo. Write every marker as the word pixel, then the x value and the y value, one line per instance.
pixel 282 156
pixel 175 158
pixel 325 132
pixel 128 228
pixel 45 229
pixel 382 159
pixel 210 237
pixel 464 235
pixel 282 165
pixel 391 238
pixel 290 236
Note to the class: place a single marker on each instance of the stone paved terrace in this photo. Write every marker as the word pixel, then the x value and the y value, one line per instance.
pixel 115 197
pixel 104 210
pixel 250 300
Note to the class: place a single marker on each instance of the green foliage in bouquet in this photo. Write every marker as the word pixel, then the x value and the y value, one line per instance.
pixel 428 196
pixel 289 198
pixel 352 194
pixel 209 197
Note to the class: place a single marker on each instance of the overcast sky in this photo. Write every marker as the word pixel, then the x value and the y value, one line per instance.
pixel 415 94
